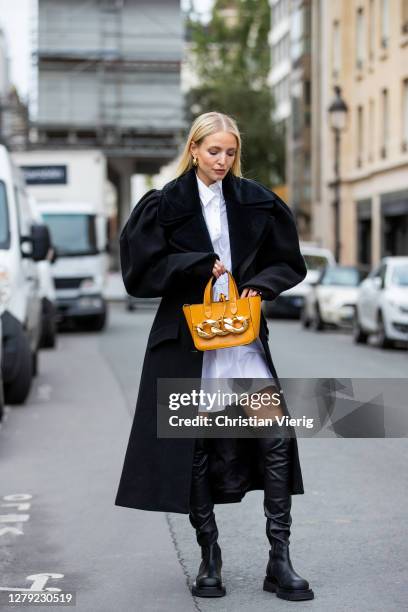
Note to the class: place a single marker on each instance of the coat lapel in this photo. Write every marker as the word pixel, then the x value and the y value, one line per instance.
pixel 249 206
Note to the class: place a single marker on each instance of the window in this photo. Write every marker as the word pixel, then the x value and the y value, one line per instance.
pixel 385 23
pixel 371 130
pixel 360 39
pixel 72 234
pixel 280 10
pixel 385 123
pixel 297 33
pixel 360 136
pixel 341 277
pixel 404 14
pixel 4 220
pixel 400 276
pixel 336 50
pixel 371 30
pixel 280 51
pixel 405 115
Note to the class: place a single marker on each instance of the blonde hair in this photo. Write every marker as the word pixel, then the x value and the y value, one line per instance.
pixel 204 125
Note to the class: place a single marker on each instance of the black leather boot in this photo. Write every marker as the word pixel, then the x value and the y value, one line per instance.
pixel 208 582
pixel 280 577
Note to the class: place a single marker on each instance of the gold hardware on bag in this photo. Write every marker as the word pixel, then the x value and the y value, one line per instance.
pixel 225 323
pixel 222 326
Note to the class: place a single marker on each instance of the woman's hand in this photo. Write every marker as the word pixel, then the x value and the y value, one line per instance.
pixel 248 292
pixel 218 268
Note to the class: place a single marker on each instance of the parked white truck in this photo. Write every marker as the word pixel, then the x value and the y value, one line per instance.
pixel 23 242
pixel 70 188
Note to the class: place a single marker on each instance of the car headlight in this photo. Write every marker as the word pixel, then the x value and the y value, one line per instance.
pixel 326 299
pixel 92 283
pixel 402 307
pixel 87 283
pixel 5 286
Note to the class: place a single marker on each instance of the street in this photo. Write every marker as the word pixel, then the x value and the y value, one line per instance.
pixel 61 458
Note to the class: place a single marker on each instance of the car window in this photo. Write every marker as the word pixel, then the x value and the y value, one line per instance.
pixel 399 276
pixel 344 277
pixel 315 262
pixel 4 218
pixel 382 273
pixel 375 272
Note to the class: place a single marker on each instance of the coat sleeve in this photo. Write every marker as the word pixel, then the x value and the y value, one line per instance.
pixel 279 262
pixel 148 268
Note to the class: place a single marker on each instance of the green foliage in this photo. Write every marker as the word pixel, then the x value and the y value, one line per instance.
pixel 231 55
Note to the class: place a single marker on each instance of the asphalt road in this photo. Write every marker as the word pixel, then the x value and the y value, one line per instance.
pixel 60 461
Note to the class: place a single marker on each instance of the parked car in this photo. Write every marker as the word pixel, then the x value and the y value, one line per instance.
pixel 332 298
pixel 290 303
pixel 1 375
pixel 133 303
pixel 22 244
pixel 382 303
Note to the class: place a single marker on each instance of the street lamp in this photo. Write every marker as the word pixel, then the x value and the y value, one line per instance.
pixel 338 111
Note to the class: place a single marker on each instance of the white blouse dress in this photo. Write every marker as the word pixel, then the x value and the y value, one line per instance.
pixel 247 361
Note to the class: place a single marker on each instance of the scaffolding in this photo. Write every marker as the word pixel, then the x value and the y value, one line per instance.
pixel 109 76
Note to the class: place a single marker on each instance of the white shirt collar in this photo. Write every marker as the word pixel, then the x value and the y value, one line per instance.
pixel 207 193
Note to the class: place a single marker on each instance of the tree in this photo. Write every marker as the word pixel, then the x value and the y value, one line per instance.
pixel 231 55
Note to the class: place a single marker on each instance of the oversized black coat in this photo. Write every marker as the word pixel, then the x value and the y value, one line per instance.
pixel 166 251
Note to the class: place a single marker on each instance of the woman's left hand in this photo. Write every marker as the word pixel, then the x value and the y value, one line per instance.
pixel 248 292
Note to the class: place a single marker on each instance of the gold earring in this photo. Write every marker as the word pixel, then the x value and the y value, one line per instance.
pixel 195 162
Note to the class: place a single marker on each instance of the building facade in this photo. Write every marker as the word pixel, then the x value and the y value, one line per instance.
pixel 290 80
pixel 364 50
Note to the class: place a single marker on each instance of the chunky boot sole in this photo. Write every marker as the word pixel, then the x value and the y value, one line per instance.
pixel 208 591
pixel 288 594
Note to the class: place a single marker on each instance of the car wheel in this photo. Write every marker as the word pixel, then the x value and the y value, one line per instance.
pixel 359 335
pixel 267 309
pixel 49 333
pixel 34 365
pixel 1 398
pixel 130 305
pixel 97 323
pixel 304 319
pixel 318 323
pixel 16 391
pixel 382 339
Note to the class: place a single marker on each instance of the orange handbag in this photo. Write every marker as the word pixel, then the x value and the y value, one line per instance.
pixel 223 324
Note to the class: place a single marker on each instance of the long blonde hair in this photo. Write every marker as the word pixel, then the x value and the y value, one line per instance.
pixel 204 125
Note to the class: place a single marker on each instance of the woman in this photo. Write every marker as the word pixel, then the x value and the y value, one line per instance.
pixel 204 222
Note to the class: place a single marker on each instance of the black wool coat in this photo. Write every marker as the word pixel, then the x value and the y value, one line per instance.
pixel 166 251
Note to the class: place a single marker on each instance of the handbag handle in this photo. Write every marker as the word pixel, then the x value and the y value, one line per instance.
pixel 232 291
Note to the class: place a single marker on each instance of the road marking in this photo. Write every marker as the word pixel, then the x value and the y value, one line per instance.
pixel 12 500
pixel 17 497
pixel 19 506
pixel 39 582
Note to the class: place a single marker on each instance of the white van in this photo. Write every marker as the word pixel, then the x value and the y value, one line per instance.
pixel 22 244
pixel 76 200
pixel 79 236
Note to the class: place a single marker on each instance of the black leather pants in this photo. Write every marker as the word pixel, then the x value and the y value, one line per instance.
pixel 201 514
pixel 277 497
pixel 275 454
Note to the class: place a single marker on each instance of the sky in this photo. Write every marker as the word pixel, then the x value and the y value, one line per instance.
pixel 16 20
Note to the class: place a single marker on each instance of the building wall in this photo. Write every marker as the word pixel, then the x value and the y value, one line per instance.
pixel 372 56
pixel 110 63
